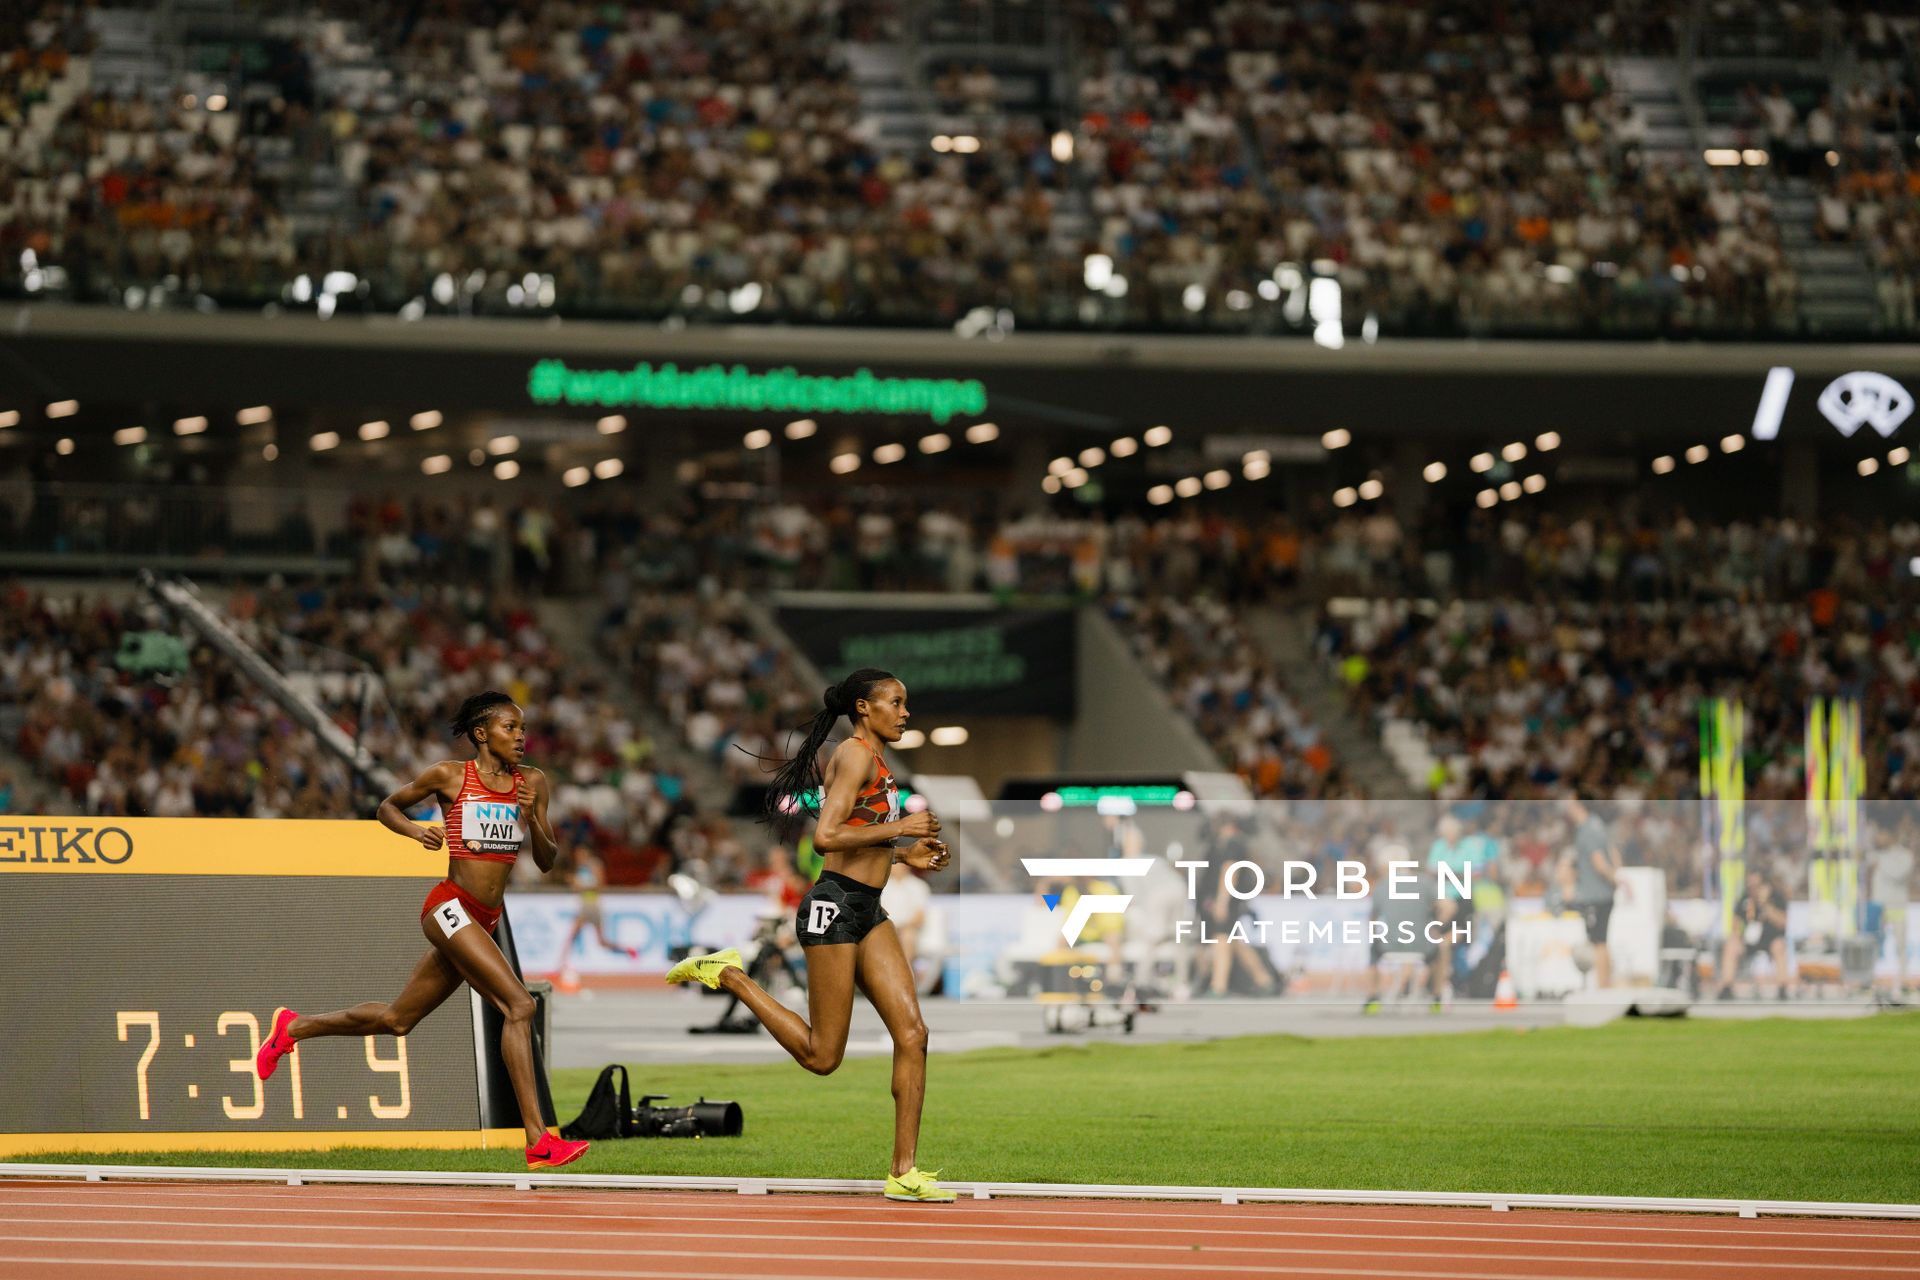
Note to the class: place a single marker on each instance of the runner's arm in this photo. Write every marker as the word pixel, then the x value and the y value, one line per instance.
pixel 533 792
pixel 439 783
pixel 851 768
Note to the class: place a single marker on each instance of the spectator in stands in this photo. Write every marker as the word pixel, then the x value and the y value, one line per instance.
pixel 645 163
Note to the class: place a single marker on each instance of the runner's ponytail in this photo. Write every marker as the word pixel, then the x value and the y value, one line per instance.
pixel 796 785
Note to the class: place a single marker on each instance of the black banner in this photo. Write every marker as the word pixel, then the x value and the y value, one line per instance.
pixel 953 661
pixel 1597 395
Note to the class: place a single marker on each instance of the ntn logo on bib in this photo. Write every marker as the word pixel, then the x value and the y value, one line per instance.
pixel 491 826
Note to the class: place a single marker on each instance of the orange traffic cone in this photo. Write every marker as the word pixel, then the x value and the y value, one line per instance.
pixel 1503 995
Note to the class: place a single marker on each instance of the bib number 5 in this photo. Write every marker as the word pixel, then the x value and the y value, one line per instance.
pixel 451 917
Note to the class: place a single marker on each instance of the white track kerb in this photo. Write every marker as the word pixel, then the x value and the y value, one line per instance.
pixel 977 1190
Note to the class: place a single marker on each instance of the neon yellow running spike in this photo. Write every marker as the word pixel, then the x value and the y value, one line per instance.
pixel 919 1187
pixel 706 968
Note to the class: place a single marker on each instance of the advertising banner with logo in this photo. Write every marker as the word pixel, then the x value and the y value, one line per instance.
pixel 651 923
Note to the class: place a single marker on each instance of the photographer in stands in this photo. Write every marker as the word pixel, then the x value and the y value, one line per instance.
pixel 1759 928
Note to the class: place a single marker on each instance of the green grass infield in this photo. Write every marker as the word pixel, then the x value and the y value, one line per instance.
pixel 1774 1109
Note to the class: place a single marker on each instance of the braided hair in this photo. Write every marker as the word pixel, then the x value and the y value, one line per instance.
pixel 797 782
pixel 475 712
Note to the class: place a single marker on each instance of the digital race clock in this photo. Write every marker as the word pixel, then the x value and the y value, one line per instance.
pixel 144 959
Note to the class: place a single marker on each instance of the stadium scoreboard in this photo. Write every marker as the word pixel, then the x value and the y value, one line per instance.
pixel 145 959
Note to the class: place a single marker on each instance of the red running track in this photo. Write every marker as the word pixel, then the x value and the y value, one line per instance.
pixel 76 1231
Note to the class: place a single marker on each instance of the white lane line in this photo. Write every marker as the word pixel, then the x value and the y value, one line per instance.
pixel 639 1208
pixel 823 1203
pixel 1030 1191
pixel 840 1258
pixel 551 1273
pixel 363 1268
pixel 862 1046
pixel 861 1237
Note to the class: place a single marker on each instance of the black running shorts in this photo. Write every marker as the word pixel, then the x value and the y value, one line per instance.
pixel 837 909
pixel 1595 915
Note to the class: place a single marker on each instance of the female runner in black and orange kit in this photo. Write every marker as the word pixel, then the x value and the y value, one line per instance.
pixel 848 937
pixel 492 806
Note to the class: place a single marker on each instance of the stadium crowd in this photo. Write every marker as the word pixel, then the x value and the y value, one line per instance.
pixel 1479 172
pixel 732 694
pixel 1569 631
pixel 120 733
pixel 1542 699
pixel 1553 697
pixel 905 543
pixel 1220 679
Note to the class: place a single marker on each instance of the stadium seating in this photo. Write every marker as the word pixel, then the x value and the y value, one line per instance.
pixel 1487 169
pixel 732 694
pixel 1552 697
pixel 1218 678
pixel 1574 654
pixel 200 741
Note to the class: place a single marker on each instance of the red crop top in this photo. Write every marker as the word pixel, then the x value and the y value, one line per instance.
pixel 484 824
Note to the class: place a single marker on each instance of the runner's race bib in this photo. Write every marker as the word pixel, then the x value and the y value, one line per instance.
pixel 491 826
pixel 451 916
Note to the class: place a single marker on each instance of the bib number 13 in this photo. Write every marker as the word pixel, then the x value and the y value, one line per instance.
pixel 821 915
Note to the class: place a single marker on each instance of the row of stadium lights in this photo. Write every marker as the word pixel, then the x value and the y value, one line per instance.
pixel 1370 488
pixel 134 435
pixel 1895 458
pixel 1072 472
pixel 1258 465
pixel 1696 454
pixel 848 462
pixel 1730 157
pixel 948 735
pixel 506 468
pixel 1060 145
pixel 58 409
pixel 1510 453
pixel 497 447
pixel 1061 472
pixel 1665 464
